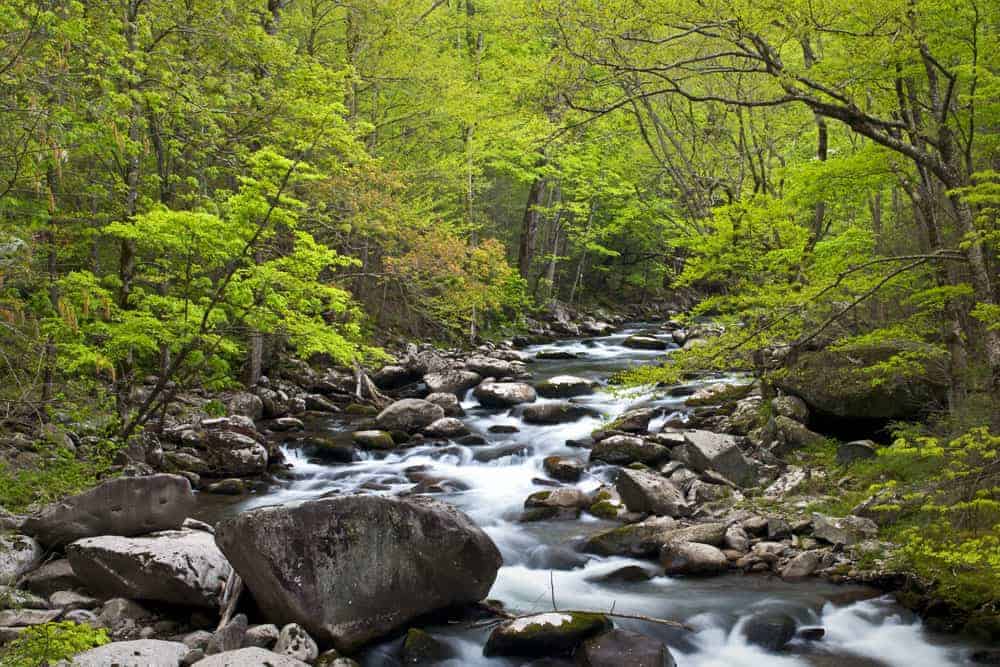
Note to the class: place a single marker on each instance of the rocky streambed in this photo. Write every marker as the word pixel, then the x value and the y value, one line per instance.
pixel 603 528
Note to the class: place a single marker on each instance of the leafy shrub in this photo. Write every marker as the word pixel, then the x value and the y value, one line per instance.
pixel 50 642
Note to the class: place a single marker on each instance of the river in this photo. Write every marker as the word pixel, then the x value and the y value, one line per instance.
pixel 490 482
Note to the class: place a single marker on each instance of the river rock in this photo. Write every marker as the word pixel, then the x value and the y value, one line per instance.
pixel 845 530
pixel 178 566
pixel 350 569
pixel 562 468
pixel 447 427
pixel 409 415
pixel 420 648
pixel 565 386
pixel 250 657
pixel 504 394
pixel 448 402
pixel 770 630
pixel 139 653
pixel 451 382
pixel 123 506
pixel 378 440
pixel 393 377
pixel 704 450
pixel 792 436
pixel 633 421
pixel 490 367
pixel 699 533
pixel 564 502
pixel 857 450
pixel 645 343
pixel 54 576
pixel 231 453
pixel 687 558
pixel 643 492
pixel 801 566
pixel 624 648
pixel 625 449
pixel 18 554
pixel 549 634
pixel 296 643
pixel 556 413
pixel 638 539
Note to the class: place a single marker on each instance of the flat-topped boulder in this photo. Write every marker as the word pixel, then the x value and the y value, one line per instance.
pixel 625 449
pixel 124 506
pixel 350 569
pixel 556 413
pixel 138 653
pixel 451 381
pixel 504 394
pixel 182 567
pixel 565 386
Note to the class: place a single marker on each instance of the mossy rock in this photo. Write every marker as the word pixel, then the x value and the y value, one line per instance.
pixel 549 634
pixel 379 440
pixel 358 410
pixel 420 648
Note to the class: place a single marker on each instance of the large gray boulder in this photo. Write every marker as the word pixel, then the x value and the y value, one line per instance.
pixel 638 539
pixel 451 381
pixel 704 450
pixel 504 394
pixel 643 491
pixel 692 558
pixel 18 554
pixel 490 367
pixel 250 657
pixel 409 415
pixel 178 566
pixel 123 506
pixel 350 569
pixel 139 653
pixel 230 453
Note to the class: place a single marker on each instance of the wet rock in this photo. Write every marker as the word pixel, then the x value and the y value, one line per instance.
pixel 643 491
pixel 261 636
pixel 123 506
pixel 329 450
pixel 563 469
pixel 626 575
pixel 624 648
pixel 487 454
pixel 770 630
pixel 555 557
pixel 846 530
pixel 409 415
pixel 228 487
pixel 633 421
pixel 811 634
pixel 625 449
pixel 645 343
pixel 555 355
pixel 801 566
pixel 448 402
pixel 560 503
pixel 18 554
pixel 638 539
pixel 139 653
pixel 229 637
pixel 448 427
pixel 504 394
pixel 393 377
pixel 295 642
pixel 377 440
pixel 420 648
pixel 857 450
pixel 179 567
pixel 285 424
pixel 451 382
pixel 556 413
pixel 704 450
pixel 565 386
pixel 692 558
pixel 250 657
pixel 350 569
pixel 503 428
pixel 607 504
pixel 550 634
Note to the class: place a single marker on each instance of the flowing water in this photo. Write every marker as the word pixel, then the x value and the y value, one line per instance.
pixel 490 482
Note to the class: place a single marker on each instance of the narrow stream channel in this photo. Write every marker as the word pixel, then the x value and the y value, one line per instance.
pixel 490 483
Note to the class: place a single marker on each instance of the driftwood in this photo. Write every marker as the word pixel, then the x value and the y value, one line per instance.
pixel 230 597
pixel 507 616
pixel 366 390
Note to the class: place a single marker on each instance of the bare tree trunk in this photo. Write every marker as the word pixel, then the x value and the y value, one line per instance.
pixel 529 226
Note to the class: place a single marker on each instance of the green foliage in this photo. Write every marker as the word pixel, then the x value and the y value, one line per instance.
pixel 49 643
pixel 58 472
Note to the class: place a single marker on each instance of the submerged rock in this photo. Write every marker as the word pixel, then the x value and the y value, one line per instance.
pixel 550 634
pixel 624 648
pixel 556 413
pixel 378 440
pixel 770 630
pixel 350 569
pixel 124 506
